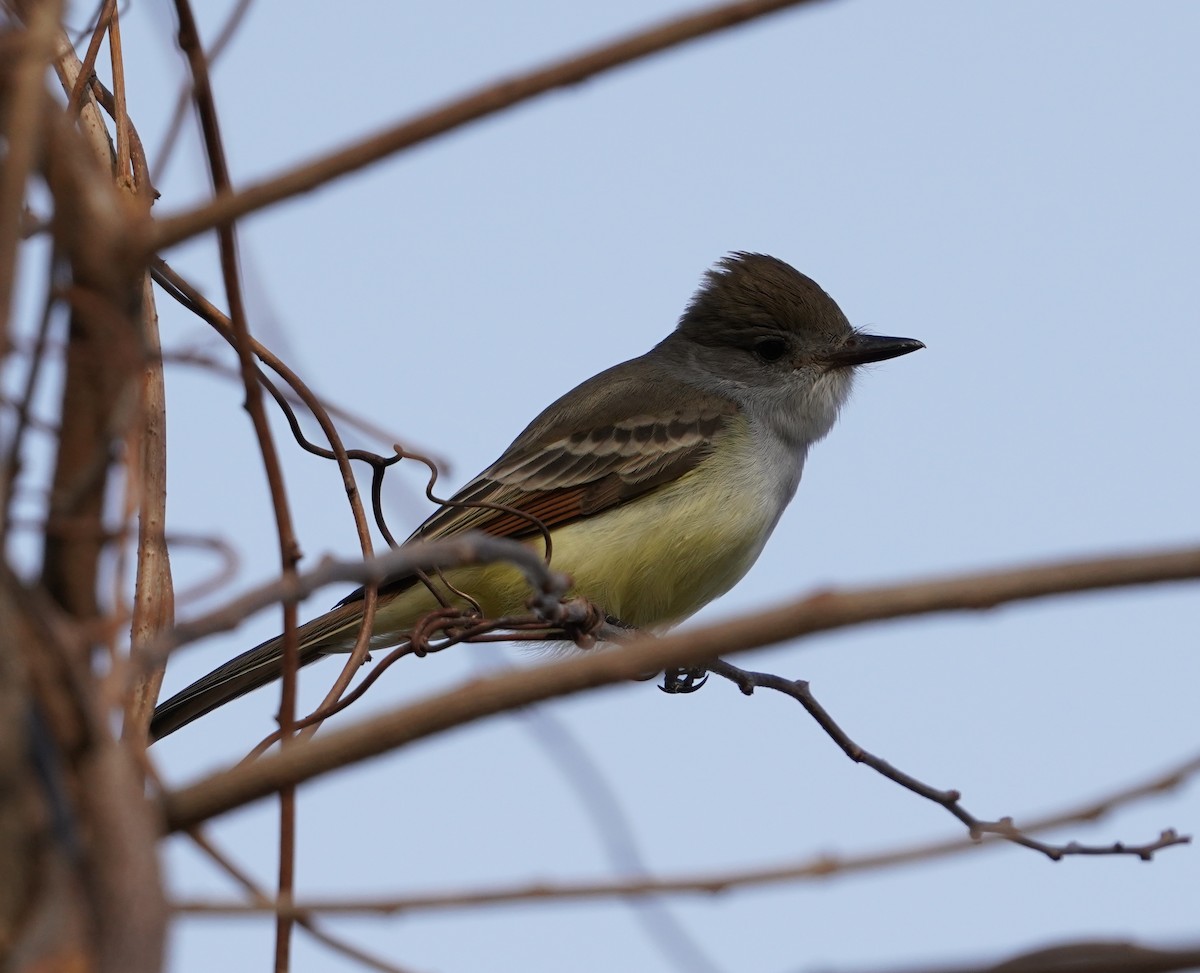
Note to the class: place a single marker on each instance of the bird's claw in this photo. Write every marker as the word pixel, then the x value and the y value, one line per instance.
pixel 676 681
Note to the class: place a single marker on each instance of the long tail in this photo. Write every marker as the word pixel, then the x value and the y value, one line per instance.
pixel 334 631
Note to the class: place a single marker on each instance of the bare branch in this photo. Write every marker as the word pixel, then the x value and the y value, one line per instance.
pixel 289 548
pixel 1085 957
pixel 336 943
pixel 101 829
pixel 25 116
pixel 154 593
pixel 713 883
pixel 226 34
pixel 951 800
pixel 84 74
pixel 822 612
pixel 479 104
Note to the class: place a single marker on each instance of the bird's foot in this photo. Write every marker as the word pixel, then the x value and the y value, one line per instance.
pixel 677 681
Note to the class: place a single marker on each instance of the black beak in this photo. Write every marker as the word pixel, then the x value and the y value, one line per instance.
pixel 862 349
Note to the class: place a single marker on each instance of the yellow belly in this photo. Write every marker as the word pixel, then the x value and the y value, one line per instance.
pixel 650 563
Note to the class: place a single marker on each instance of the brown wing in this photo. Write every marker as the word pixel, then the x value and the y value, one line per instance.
pixel 576 477
pixel 620 434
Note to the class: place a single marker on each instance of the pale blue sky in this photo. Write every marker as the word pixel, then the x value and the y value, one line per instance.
pixel 1013 183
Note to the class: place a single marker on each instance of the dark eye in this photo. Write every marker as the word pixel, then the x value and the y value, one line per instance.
pixel 770 349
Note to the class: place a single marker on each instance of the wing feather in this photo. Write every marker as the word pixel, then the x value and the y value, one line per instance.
pixel 580 476
pixel 557 472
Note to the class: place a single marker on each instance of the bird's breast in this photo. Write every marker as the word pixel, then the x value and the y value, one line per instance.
pixel 662 557
pixel 656 559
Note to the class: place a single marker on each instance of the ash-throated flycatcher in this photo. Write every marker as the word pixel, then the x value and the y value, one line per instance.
pixel 659 479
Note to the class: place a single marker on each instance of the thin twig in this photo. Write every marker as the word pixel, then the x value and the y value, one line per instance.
pixel 458 551
pixel 124 168
pixel 179 115
pixel 815 869
pixel 306 922
pixel 10 466
pixel 337 451
pixel 70 71
pixel 75 95
pixel 344 415
pixel 799 690
pixel 289 552
pixel 446 627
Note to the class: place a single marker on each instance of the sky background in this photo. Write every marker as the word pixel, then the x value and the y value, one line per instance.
pixel 1013 183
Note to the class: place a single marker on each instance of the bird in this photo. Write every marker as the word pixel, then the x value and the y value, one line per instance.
pixel 659 479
